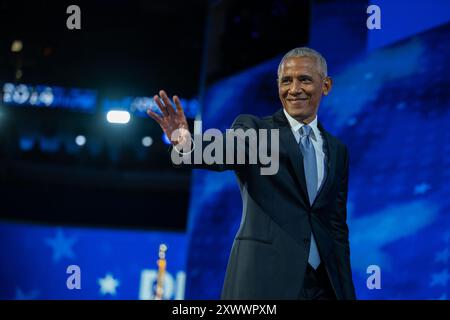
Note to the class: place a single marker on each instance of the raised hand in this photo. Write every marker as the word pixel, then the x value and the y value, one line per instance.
pixel 173 123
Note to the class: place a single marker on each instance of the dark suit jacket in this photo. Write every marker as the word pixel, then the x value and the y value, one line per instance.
pixel 270 252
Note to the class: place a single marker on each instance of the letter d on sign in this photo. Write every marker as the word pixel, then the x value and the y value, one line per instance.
pixel 74 20
pixel 74 281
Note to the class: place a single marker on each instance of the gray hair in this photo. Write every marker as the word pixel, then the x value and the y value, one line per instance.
pixel 306 52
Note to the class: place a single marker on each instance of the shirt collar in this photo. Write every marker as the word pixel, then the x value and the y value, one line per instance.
pixel 296 125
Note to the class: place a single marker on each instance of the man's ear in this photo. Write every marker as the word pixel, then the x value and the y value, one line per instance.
pixel 327 85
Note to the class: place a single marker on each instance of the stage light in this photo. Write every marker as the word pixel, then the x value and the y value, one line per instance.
pixel 26 143
pixel 147 141
pixel 19 74
pixel 80 140
pixel 16 46
pixel 118 116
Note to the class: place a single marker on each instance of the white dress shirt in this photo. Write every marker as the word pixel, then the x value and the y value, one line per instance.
pixel 317 141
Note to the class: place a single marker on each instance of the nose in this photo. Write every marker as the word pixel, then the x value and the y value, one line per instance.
pixel 296 87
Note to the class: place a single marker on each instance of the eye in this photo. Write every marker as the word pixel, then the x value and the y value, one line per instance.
pixel 306 80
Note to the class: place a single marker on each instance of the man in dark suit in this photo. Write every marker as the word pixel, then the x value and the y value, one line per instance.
pixel 293 242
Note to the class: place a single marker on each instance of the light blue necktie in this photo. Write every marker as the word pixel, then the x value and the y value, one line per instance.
pixel 311 175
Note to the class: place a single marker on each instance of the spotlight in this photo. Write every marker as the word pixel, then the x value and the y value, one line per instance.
pixel 118 116
pixel 80 140
pixel 16 46
pixel 26 143
pixel 147 141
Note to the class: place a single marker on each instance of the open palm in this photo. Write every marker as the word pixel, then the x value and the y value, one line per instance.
pixel 172 122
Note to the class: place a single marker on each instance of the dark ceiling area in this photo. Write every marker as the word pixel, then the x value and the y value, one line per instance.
pixel 246 33
pixel 137 47
pixel 123 47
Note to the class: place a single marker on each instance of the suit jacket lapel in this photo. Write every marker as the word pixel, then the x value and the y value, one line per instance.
pixel 330 151
pixel 287 140
pixel 296 157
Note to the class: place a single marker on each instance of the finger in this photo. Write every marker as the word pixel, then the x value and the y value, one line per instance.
pixel 167 102
pixel 155 116
pixel 160 105
pixel 177 101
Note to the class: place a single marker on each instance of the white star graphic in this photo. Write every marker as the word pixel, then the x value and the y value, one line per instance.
pixel 440 278
pixel 108 285
pixel 62 246
pixel 421 188
pixel 442 256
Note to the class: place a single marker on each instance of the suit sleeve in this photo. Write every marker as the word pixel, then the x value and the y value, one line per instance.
pixel 341 234
pixel 242 122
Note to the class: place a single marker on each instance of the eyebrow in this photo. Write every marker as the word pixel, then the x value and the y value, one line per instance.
pixel 301 77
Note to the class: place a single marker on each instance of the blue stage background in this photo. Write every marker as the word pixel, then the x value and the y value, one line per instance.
pixel 390 107
pixel 114 264
pixel 389 104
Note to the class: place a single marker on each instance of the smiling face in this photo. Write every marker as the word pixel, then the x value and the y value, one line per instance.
pixel 300 87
